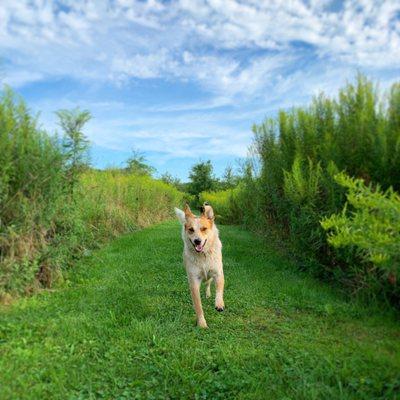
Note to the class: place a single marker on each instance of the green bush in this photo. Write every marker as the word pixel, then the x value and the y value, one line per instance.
pixel 43 229
pixel 370 224
pixel 300 151
pixel 31 191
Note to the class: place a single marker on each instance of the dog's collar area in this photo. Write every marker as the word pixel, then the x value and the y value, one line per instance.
pixel 195 247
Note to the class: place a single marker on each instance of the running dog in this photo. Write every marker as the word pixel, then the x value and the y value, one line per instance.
pixel 202 257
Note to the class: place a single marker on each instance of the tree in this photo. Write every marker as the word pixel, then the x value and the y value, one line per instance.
pixel 136 164
pixel 171 180
pixel 75 144
pixel 201 178
pixel 229 179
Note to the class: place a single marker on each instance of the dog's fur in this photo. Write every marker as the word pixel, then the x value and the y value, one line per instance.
pixel 202 257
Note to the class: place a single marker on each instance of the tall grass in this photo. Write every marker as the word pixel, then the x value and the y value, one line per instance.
pixel 43 229
pixel 115 202
pixel 301 151
pixel 223 203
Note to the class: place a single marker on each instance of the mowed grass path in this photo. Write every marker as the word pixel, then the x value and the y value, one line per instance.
pixel 123 328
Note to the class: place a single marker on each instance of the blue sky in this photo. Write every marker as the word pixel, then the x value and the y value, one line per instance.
pixel 185 80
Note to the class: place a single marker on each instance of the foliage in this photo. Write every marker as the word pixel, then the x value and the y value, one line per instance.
pixel 31 192
pixel 223 202
pixel 300 151
pixel 229 179
pixel 125 329
pixel 173 181
pixel 201 178
pixel 74 143
pixel 369 222
pixel 137 165
pixel 113 202
pixel 42 229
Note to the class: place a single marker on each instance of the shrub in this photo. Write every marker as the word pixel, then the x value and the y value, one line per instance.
pixel 300 151
pixel 43 229
pixel 31 190
pixel 370 224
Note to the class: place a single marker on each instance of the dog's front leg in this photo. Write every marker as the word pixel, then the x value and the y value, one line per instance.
pixel 219 292
pixel 194 283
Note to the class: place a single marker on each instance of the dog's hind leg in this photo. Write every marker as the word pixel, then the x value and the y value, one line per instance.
pixel 208 289
pixel 195 292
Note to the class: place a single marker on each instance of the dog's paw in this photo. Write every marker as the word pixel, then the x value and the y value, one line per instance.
pixel 201 323
pixel 219 304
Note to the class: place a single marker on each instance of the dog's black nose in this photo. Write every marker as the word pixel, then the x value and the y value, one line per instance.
pixel 197 241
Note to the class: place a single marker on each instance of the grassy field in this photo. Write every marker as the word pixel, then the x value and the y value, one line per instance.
pixel 123 327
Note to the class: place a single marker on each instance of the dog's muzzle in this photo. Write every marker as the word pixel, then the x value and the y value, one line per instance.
pixel 199 247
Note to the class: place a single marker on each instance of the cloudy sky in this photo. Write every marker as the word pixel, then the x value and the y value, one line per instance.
pixel 184 80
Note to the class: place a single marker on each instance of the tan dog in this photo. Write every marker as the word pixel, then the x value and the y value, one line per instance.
pixel 202 257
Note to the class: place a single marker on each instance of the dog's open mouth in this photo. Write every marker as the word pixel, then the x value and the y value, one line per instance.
pixel 200 247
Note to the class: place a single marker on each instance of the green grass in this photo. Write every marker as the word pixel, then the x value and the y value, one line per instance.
pixel 123 327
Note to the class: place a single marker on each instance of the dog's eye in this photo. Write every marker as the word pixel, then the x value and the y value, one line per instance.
pixel 191 230
pixel 203 229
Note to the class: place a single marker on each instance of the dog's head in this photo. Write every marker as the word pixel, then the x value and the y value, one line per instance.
pixel 197 231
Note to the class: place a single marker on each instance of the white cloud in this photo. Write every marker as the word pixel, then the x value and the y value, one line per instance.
pixel 192 39
pixel 361 33
pixel 248 57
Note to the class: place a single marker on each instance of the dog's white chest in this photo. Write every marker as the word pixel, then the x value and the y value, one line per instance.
pixel 202 266
pixel 206 272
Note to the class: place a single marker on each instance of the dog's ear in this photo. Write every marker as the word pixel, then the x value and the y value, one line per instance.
pixel 188 211
pixel 207 211
pixel 181 215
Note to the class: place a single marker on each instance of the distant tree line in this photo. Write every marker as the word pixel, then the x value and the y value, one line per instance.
pixel 202 178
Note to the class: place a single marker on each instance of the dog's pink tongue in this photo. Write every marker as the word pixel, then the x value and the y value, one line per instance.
pixel 199 247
